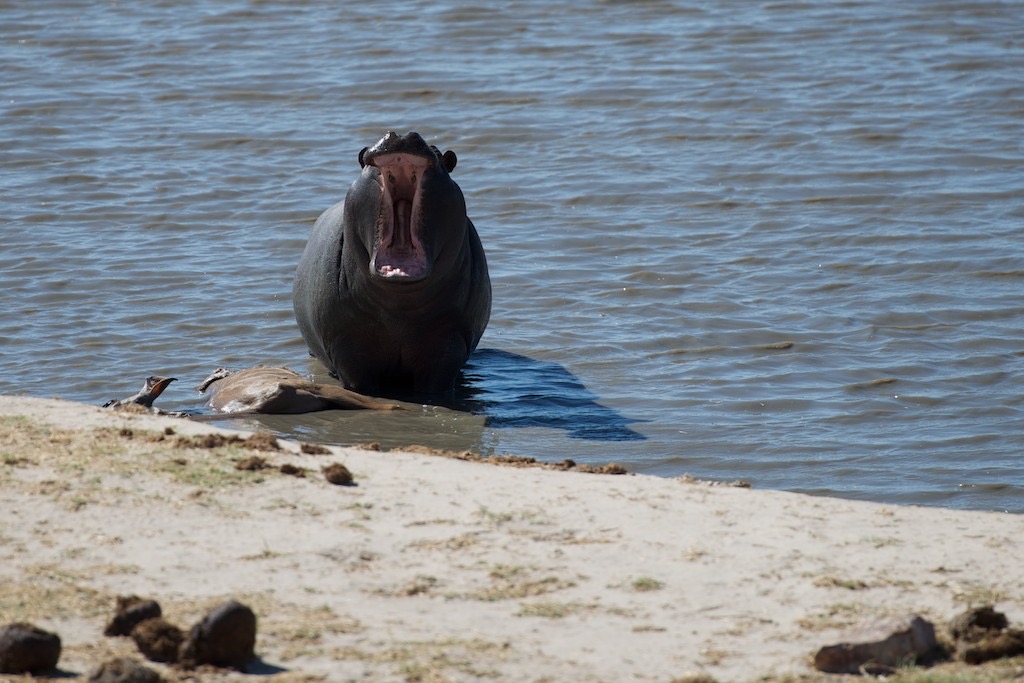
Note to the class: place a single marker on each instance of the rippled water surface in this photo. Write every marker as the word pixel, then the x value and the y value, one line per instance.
pixel 779 242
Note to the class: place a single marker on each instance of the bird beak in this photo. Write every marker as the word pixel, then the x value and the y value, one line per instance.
pixel 161 384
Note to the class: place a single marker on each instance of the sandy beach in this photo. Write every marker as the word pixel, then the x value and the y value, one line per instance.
pixel 435 568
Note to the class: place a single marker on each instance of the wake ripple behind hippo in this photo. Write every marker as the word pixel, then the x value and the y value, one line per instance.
pixel 392 292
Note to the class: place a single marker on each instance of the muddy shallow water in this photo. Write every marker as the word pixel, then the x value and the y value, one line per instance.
pixel 779 242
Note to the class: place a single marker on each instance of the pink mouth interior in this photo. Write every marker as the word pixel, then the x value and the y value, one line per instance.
pixel 399 252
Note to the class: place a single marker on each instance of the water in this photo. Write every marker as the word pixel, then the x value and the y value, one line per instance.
pixel 778 242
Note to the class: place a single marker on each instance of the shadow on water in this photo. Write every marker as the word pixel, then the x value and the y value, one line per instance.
pixel 497 389
pixel 510 390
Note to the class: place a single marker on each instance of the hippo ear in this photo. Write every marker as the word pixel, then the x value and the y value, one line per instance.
pixel 450 160
pixel 362 164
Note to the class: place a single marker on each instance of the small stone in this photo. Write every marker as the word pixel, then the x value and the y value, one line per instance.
pixel 885 644
pixel 292 470
pixel 1009 643
pixel 262 441
pixel 158 640
pixel 977 623
pixel 123 670
pixel 225 637
pixel 25 648
pixel 609 468
pixel 131 610
pixel 338 474
pixel 253 463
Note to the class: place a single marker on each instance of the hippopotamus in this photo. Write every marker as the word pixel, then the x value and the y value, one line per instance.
pixel 275 390
pixel 392 291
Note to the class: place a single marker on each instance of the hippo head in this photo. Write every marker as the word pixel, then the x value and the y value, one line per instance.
pixel 420 207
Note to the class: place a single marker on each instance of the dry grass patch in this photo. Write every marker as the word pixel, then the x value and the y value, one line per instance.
pixel 299 632
pixel 836 582
pixel 50 593
pixel 552 610
pixel 646 584
pixel 433 661
pixel 512 582
pixel 418 585
pixel 459 542
pixel 89 463
pixel 1001 671
pixel 839 615
pixel 973 594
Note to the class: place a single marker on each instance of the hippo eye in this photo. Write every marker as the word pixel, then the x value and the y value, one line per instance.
pixel 391 178
pixel 414 178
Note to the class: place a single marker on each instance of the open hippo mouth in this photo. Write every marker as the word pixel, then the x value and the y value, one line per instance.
pixel 398 252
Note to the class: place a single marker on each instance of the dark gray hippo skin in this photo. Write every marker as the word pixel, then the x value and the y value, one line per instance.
pixel 392 292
